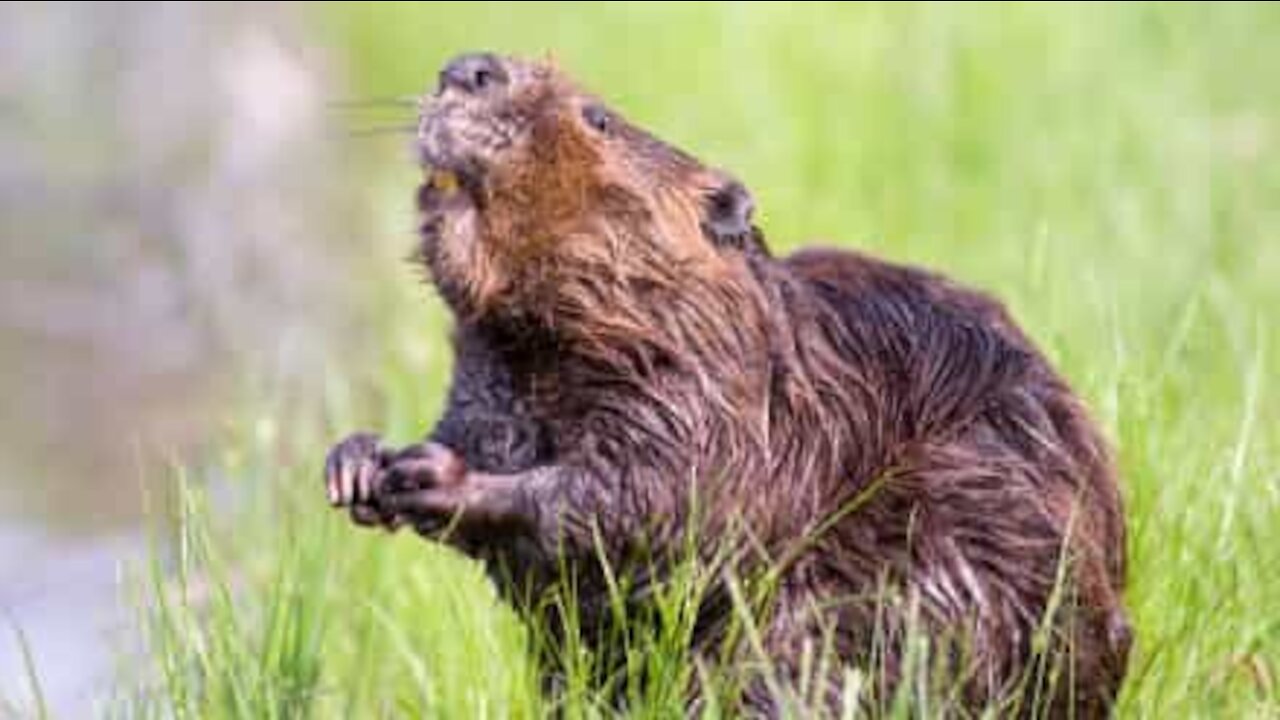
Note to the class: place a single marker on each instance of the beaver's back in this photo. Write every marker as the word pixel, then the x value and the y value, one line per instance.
pixel 995 470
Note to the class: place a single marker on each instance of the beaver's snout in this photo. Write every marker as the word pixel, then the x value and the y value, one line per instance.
pixel 468 121
pixel 473 73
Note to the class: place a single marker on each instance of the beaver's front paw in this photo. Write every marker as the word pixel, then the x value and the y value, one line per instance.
pixel 422 466
pixel 353 471
pixel 424 485
pixel 354 474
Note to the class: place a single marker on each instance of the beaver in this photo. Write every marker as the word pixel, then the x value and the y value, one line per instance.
pixel 632 356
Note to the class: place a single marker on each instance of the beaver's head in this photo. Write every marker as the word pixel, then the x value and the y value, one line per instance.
pixel 534 185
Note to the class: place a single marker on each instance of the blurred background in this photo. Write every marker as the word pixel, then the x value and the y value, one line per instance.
pixel 203 225
pixel 181 213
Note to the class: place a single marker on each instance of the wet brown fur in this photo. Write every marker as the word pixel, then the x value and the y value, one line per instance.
pixel 888 434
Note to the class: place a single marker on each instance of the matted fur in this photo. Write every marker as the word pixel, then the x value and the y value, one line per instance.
pixel 615 356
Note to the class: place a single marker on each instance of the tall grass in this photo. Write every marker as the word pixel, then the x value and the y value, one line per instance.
pixel 1112 172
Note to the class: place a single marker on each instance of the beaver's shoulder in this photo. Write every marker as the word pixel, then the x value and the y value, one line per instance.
pixel 880 293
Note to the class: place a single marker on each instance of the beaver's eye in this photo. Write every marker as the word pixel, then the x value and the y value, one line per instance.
pixel 483 78
pixel 597 117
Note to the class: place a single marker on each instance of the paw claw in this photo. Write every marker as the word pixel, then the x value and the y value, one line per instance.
pixel 352 469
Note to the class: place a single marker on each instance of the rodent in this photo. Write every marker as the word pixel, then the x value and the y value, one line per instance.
pixel 626 341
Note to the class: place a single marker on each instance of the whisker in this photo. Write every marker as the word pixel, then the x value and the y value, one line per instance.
pixel 394 101
pixel 382 130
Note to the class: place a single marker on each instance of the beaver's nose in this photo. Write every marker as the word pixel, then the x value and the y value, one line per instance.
pixel 473 72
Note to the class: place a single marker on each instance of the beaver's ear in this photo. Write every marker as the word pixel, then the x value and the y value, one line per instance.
pixel 726 218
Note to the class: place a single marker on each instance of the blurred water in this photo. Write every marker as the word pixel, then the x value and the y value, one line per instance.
pixel 172 220
pixel 62 594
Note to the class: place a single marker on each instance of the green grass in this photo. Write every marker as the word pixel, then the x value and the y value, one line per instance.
pixel 1111 172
